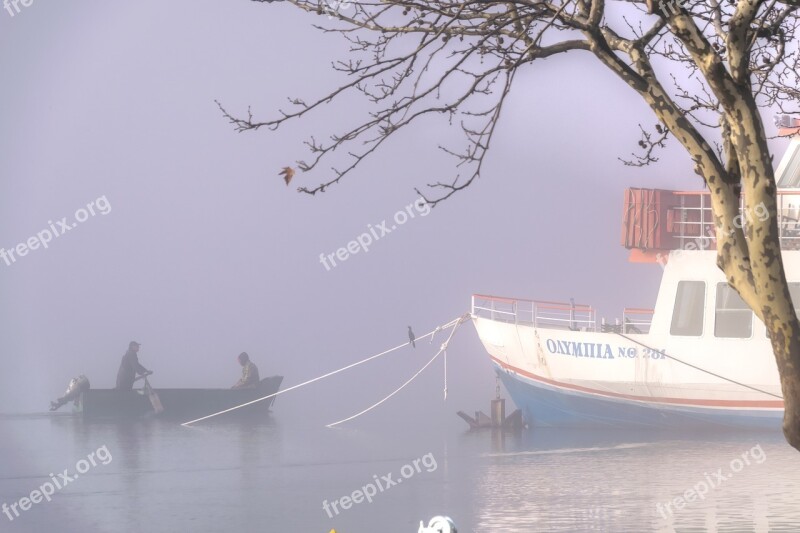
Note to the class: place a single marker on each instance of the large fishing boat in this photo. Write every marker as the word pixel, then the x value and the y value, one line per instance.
pixel 698 357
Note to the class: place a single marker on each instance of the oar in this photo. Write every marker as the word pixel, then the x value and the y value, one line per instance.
pixel 155 401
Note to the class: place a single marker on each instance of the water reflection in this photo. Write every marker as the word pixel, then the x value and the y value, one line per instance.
pixel 233 474
pixel 162 469
pixel 629 481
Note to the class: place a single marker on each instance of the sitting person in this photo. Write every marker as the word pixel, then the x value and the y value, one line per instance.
pixel 250 377
pixel 76 387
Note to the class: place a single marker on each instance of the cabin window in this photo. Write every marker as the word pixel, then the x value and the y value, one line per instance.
pixel 687 316
pixel 794 292
pixel 733 318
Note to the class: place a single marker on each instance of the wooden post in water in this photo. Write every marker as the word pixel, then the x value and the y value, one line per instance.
pixel 498 412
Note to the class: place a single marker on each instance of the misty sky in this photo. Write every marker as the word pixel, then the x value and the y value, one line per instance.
pixel 205 252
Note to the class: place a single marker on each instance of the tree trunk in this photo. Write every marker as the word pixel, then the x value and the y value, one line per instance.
pixel 763 246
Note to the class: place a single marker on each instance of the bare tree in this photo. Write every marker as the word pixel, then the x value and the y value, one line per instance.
pixel 705 68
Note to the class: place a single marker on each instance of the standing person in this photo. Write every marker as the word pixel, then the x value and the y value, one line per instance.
pixel 129 367
pixel 250 377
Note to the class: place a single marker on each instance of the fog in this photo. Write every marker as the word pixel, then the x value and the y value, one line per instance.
pixel 204 252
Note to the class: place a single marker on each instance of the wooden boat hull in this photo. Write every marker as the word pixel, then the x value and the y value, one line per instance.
pixel 178 404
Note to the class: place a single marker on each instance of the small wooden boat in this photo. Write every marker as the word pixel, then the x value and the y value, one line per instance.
pixel 177 404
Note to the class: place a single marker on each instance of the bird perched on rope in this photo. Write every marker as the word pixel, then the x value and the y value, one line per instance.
pixel 287 173
pixel 411 337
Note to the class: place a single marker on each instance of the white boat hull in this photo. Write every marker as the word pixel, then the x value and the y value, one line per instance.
pixel 567 378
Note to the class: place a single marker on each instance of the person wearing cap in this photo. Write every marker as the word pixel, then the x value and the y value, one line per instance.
pixel 129 367
pixel 250 377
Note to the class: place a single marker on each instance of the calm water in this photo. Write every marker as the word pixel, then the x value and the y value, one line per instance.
pixel 275 477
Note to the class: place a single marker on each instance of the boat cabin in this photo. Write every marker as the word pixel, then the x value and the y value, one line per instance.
pixel 676 230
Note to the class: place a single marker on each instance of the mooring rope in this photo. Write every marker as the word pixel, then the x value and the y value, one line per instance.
pixel 745 385
pixel 443 348
pixel 445 372
pixel 455 322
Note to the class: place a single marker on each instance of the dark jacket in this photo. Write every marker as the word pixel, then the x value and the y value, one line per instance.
pixel 128 369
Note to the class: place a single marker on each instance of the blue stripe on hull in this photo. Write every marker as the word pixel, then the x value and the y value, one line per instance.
pixel 547 405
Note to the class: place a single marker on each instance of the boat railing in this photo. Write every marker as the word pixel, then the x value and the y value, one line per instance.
pixel 692 220
pixel 636 320
pixel 538 313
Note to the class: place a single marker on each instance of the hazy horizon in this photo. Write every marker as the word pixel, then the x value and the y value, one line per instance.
pixel 205 252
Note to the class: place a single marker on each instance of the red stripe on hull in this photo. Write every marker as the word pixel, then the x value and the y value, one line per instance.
pixel 759 404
